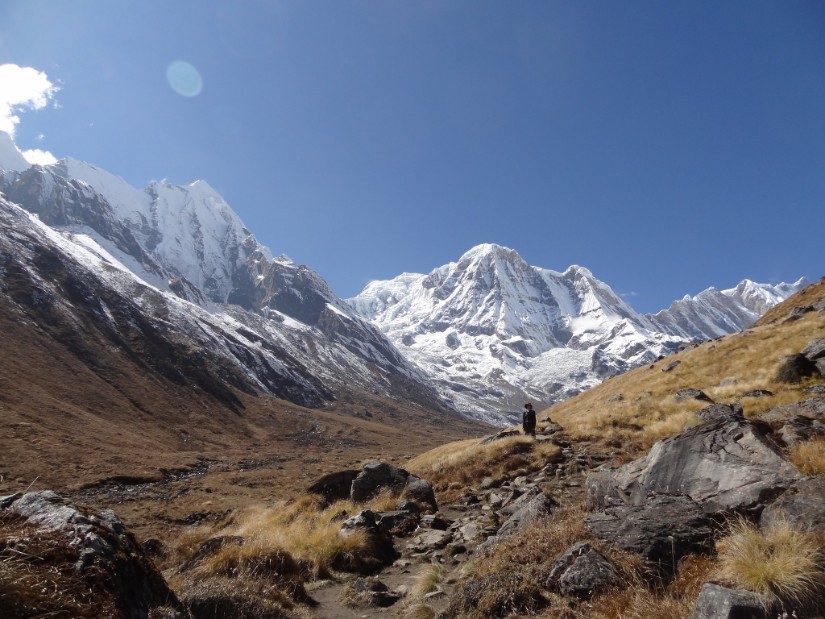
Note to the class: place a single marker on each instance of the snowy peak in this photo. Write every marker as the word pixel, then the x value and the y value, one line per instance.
pixel 494 330
pixel 713 312
pixel 486 325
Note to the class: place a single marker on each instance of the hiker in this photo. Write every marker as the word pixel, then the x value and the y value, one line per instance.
pixel 528 420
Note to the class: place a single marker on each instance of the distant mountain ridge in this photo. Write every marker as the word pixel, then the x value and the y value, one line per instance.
pixel 478 336
pixel 493 330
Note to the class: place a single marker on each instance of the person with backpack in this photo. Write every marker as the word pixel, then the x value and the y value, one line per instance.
pixel 528 420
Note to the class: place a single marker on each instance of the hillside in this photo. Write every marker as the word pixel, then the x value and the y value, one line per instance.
pixel 557 525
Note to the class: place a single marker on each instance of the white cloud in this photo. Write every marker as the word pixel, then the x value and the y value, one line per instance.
pixel 36 156
pixel 23 89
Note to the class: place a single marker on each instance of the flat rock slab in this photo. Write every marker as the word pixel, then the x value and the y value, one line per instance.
pixel 724 464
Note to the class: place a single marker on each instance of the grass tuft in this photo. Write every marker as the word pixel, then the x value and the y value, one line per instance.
pixel 429 579
pixel 781 563
pixel 809 456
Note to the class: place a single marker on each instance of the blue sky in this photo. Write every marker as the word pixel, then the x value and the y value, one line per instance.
pixel 666 146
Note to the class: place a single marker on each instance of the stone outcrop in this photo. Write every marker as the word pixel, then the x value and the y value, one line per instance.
pixel 381 543
pixel 724 464
pixel 663 529
pixel 94 547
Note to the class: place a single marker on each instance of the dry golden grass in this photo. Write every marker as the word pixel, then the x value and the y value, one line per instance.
pixel 637 408
pixel 429 579
pixel 278 548
pixel 782 562
pixel 456 466
pixel 809 456
pixel 38 579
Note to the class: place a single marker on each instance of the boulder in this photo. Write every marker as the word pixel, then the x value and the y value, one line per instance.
pixel 380 542
pixel 663 529
pixel 376 476
pixel 430 539
pixel 581 571
pixel 537 507
pixel 94 549
pixel 815 349
pixel 715 602
pixel 724 464
pixel 758 393
pixel 802 505
pixel 671 366
pixel 397 522
pixel 800 428
pixel 371 592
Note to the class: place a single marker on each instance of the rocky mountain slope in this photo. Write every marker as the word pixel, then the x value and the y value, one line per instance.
pixel 184 265
pixel 494 330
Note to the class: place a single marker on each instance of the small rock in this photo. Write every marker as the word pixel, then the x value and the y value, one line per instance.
pixel 717 602
pixel 757 393
pixel 671 366
pixel 581 571
pixel 692 394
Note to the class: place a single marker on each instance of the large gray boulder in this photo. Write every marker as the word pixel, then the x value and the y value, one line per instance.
pixel 726 463
pixel 663 530
pixel 96 548
pixel 375 476
pixel 538 507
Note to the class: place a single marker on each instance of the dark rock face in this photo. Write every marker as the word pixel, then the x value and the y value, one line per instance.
pixel 795 368
pixel 663 530
pixel 581 571
pixel 103 553
pixel 717 602
pixel 724 464
pixel 802 505
pixel 375 476
pixel 334 486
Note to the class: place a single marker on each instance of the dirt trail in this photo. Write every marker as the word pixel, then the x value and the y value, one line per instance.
pixel 469 518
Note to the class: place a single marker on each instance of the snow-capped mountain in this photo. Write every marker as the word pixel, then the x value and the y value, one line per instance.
pixel 182 260
pixel 713 313
pixel 479 335
pixel 493 330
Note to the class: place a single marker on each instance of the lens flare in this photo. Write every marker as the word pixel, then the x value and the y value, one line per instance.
pixel 184 78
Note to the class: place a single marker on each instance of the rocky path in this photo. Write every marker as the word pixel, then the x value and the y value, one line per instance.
pixel 448 539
